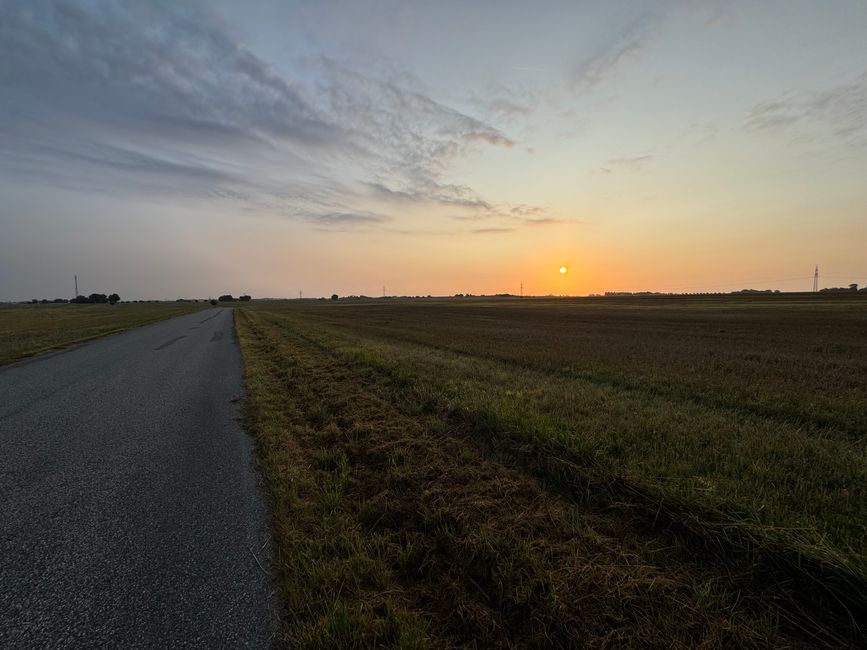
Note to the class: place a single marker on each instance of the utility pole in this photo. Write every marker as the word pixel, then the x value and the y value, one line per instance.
pixel 522 288
pixel 383 291
pixel 300 295
pixel 76 287
pixel 816 279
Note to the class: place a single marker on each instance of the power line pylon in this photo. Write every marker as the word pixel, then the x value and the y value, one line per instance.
pixel 816 279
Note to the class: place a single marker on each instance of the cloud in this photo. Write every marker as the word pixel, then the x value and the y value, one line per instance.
pixel 527 210
pixel 406 135
pixel 616 54
pixel 542 221
pixel 492 231
pixel 137 67
pixel 842 110
pixel 506 109
pixel 162 98
pixel 118 159
pixel 634 163
pixel 510 218
pixel 343 219
pixel 430 193
pixel 506 103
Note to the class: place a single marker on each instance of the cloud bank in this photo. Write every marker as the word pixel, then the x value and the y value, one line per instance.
pixel 842 110
pixel 163 99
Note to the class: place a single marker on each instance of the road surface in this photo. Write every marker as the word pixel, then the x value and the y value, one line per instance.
pixel 130 511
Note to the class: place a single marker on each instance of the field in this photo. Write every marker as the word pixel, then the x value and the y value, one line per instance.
pixel 672 472
pixel 26 330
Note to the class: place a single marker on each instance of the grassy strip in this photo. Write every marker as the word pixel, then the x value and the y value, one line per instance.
pixel 323 561
pixel 837 424
pixel 26 331
pixel 806 489
pixel 395 527
pixel 814 589
pixel 799 365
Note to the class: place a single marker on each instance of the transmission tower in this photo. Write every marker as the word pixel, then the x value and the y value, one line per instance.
pixel 816 279
pixel 76 286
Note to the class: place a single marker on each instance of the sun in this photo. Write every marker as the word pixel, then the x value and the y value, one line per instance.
pixel 563 270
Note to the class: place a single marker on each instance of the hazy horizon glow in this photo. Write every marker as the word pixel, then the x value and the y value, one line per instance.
pixel 161 149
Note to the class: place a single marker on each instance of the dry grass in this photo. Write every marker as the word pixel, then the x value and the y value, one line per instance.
pixel 665 424
pixel 27 330
pixel 429 493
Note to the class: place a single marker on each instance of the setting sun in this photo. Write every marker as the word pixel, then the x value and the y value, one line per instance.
pixel 563 270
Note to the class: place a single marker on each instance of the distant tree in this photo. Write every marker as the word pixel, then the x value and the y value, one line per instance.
pixel 334 296
pixel 44 301
pixel 244 298
pixel 226 298
pixel 851 287
pixel 60 300
pixel 97 298
pixel 213 301
pixel 113 298
pixel 33 301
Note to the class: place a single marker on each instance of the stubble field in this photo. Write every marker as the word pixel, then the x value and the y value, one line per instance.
pixel 538 473
pixel 27 330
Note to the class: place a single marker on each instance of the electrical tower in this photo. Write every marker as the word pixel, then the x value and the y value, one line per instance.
pixel 76 286
pixel 816 279
pixel 522 288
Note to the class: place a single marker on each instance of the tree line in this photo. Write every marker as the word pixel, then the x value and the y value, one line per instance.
pixel 97 299
pixel 92 299
pixel 113 298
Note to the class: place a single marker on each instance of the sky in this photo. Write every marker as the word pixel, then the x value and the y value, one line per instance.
pixel 190 149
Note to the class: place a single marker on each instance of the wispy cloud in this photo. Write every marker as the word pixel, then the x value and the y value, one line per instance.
pixel 842 110
pixel 405 135
pixel 506 103
pixel 527 210
pixel 430 192
pixel 344 219
pixel 634 163
pixel 142 69
pixel 164 97
pixel 613 56
pixel 504 218
pixel 492 231
pixel 544 221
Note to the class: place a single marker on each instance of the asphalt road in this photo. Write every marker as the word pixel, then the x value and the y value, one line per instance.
pixel 130 510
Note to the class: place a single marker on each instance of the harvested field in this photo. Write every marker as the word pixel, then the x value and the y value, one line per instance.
pixel 529 473
pixel 27 330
